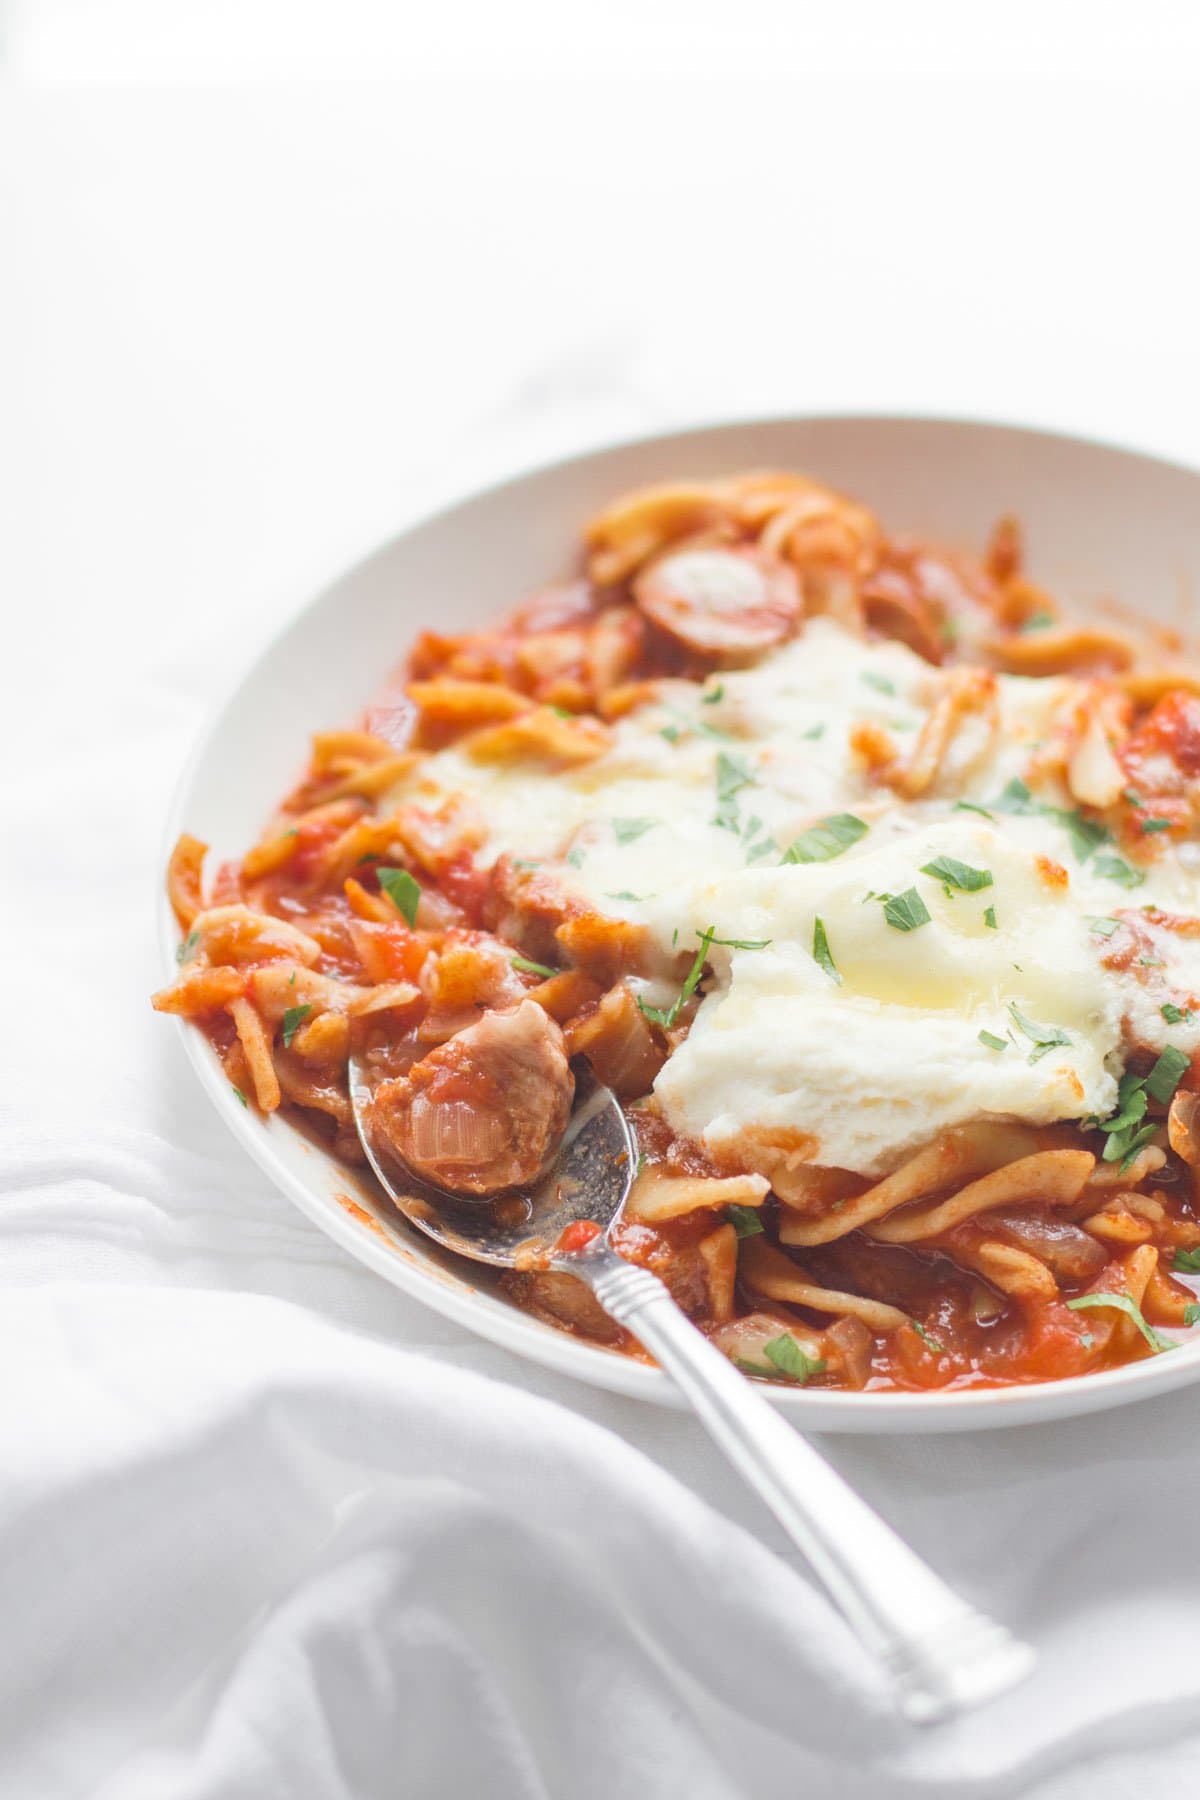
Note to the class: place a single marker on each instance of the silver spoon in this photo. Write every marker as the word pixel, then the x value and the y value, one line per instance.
pixel 941 1654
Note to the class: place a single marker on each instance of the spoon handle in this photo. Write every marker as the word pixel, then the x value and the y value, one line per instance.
pixel 942 1655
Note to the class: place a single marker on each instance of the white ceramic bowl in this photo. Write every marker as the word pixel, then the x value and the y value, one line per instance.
pixel 1102 524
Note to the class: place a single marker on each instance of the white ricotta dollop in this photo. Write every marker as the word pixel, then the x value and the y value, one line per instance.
pixel 682 824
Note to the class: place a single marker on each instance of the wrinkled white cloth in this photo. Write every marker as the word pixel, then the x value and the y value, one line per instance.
pixel 260 1535
pixel 267 1528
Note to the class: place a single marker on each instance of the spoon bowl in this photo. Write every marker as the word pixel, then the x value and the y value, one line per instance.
pixel 587 1183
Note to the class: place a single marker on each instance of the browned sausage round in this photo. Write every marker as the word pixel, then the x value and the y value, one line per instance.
pixel 728 605
pixel 485 1110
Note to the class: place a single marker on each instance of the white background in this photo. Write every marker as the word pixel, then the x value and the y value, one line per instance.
pixel 248 329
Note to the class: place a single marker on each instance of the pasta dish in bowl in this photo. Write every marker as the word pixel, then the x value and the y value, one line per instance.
pixel 864 872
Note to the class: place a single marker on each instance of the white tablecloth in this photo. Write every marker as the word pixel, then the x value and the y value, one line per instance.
pixel 267 1527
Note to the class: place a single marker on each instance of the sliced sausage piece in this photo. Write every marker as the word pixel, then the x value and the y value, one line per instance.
pixel 483 1111
pixel 727 605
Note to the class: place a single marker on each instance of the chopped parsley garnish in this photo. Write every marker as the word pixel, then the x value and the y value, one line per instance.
pixel 1166 1074
pixel 293 1019
pixel 787 1356
pixel 826 839
pixel 954 874
pixel 1123 1303
pixel 1087 835
pixel 906 911
pixel 403 891
pixel 1016 798
pixel 970 806
pixel 575 858
pixel 242 1097
pixel 1117 869
pixel 1040 620
pixel 744 1219
pixel 626 830
pixel 1186 1262
pixel 673 733
pixel 764 847
pixel 1044 1038
pixel 1125 1132
pixel 992 1041
pixel 989 918
pixel 880 683
pixel 533 968
pixel 1103 926
pixel 1175 1015
pixel 1156 824
pixel 814 732
pixel 666 1016
pixel 624 894
pixel 187 949
pixel 822 955
pixel 732 777
pixel 927 1338
pixel 1191 1313
pixel 713 695
pixel 1132 795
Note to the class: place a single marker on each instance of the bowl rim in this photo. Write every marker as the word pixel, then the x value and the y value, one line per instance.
pixel 869 1411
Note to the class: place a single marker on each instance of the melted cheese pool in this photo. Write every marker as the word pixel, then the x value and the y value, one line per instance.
pixel 857 1001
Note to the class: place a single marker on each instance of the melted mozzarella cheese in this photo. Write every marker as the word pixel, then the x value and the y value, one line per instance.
pixel 682 826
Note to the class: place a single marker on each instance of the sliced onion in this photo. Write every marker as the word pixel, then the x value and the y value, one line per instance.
pixel 453 1131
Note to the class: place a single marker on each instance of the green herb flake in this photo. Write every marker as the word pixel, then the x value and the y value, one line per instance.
pixel 1191 1313
pixel 954 874
pixel 293 1019
pixel 713 695
pixel 745 1220
pixel 624 894
pixel 992 1041
pixel 732 777
pixel 666 1016
pixel 970 806
pixel 1166 1074
pixel 626 831
pixel 534 968
pixel 1122 1303
pixel 1103 926
pixel 403 890
pixel 906 911
pixel 1156 825
pixel 822 955
pixel 1039 620
pixel 873 679
pixel 786 1355
pixel 814 732
pixel 242 1098
pixel 1044 1038
pixel 829 837
pixel 1186 1262
pixel 1115 868
pixel 1016 798
pixel 1132 795
pixel 1175 1015
pixel 574 858
pixel 927 1338
pixel 989 918
pixel 187 949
